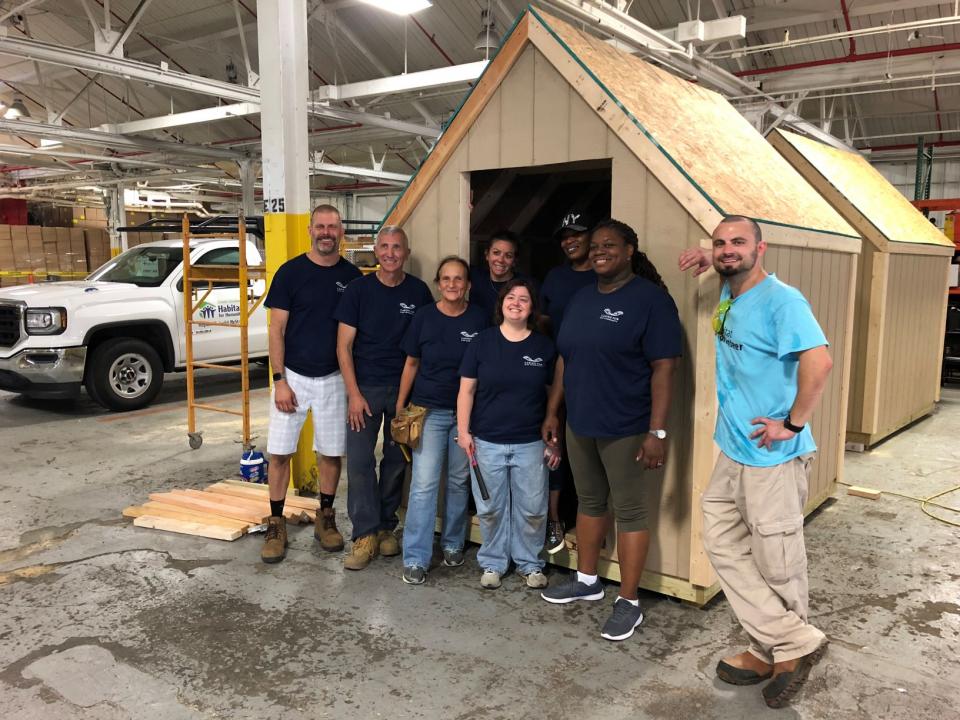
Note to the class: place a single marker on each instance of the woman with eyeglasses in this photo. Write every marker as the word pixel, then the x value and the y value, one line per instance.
pixel 618 345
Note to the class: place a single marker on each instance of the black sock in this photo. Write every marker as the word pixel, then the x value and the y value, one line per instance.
pixel 326 501
pixel 276 508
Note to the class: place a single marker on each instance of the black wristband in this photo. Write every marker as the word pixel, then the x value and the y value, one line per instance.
pixel 277 377
pixel 791 427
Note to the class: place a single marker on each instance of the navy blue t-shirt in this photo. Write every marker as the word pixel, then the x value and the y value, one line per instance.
pixel 381 315
pixel 512 379
pixel 561 284
pixel 439 342
pixel 310 293
pixel 608 341
pixel 484 291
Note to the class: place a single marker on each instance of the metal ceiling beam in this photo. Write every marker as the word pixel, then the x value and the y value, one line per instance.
pixel 125 68
pixel 97 138
pixel 17 9
pixel 28 152
pixel 190 117
pixel 325 168
pixel 425 79
pixel 651 43
pixel 790 15
pixel 401 126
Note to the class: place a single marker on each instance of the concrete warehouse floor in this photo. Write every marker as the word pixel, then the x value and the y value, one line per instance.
pixel 104 620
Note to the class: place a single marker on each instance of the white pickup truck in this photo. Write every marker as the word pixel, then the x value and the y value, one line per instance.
pixel 119 330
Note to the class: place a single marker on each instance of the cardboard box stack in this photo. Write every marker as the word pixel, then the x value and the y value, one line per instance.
pixel 97 245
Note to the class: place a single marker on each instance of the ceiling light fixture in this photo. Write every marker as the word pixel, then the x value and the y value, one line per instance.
pixel 488 39
pixel 400 7
pixel 17 110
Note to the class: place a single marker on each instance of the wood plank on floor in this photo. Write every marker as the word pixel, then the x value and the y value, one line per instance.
pixel 184 527
pixel 216 508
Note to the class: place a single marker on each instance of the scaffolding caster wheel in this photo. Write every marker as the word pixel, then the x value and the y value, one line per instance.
pixel 196 440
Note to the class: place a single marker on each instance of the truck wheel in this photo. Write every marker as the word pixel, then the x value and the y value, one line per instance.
pixel 124 374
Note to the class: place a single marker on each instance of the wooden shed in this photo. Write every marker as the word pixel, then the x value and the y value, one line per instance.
pixel 902 284
pixel 679 157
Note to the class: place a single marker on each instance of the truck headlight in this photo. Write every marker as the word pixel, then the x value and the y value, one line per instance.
pixel 45 321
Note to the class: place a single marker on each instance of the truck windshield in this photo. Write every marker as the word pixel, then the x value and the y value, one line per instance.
pixel 141 266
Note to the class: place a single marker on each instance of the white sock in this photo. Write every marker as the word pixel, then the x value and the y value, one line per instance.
pixel 635 603
pixel 586 579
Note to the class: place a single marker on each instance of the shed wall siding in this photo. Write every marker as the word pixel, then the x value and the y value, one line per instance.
pixel 824 279
pixel 913 340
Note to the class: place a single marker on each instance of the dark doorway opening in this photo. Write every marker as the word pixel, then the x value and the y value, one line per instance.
pixel 531 201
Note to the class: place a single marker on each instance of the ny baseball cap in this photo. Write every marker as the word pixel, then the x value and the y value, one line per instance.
pixel 575 222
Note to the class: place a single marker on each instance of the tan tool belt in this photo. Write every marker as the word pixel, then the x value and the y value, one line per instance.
pixel 407 427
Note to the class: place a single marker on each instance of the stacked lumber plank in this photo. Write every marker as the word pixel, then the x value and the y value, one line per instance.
pixel 222 511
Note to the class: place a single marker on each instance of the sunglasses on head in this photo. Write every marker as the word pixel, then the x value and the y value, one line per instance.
pixel 720 315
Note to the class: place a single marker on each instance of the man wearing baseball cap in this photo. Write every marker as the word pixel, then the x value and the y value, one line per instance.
pixel 560 285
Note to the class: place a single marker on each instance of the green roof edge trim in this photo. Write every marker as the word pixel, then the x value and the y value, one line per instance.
pixel 630 115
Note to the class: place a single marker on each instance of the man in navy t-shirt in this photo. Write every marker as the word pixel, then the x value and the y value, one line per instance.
pixel 304 293
pixel 374 315
pixel 561 284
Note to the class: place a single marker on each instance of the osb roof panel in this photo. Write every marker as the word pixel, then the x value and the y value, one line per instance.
pixel 869 192
pixel 721 153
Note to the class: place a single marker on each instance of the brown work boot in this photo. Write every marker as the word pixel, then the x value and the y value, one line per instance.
pixel 388 543
pixel 325 530
pixel 789 677
pixel 275 543
pixel 743 669
pixel 363 551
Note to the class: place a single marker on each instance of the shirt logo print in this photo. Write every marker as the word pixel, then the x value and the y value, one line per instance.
pixel 611 315
pixel 341 286
pixel 407 309
pixel 532 362
pixel 467 337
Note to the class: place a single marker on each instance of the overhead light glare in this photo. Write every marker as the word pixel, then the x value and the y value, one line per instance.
pixel 17 110
pixel 399 7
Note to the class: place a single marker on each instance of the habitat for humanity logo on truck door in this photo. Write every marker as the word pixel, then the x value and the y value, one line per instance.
pixel 227 312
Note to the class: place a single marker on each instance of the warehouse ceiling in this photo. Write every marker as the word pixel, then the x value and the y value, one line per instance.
pixel 179 109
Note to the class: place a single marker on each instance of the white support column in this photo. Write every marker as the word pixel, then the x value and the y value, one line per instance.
pixel 284 85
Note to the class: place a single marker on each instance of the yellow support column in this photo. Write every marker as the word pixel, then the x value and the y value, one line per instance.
pixel 284 87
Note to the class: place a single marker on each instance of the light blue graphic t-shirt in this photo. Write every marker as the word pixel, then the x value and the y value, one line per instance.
pixel 764 331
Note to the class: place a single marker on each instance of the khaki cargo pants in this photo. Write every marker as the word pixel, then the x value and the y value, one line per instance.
pixel 753 534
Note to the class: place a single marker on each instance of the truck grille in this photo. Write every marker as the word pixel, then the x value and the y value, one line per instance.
pixel 9 325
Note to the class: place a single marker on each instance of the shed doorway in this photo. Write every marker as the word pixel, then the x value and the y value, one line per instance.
pixel 531 201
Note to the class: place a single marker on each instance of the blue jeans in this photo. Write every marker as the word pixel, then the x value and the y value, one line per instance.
pixel 437 451
pixel 513 522
pixel 371 504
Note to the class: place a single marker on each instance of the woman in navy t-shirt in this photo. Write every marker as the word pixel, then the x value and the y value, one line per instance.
pixel 505 374
pixel 435 342
pixel 618 343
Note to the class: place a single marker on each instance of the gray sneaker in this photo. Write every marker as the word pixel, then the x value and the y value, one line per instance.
pixel 622 621
pixel 536 579
pixel 490 580
pixel 414 575
pixel 571 590
pixel 453 558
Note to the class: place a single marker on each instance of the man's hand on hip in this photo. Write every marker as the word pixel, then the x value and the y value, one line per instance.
pixel 771 432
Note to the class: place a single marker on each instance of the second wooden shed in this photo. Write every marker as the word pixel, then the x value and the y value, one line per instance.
pixel 902 284
pixel 678 158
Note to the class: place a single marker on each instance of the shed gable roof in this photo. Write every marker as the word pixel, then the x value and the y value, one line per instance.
pixel 861 185
pixel 720 156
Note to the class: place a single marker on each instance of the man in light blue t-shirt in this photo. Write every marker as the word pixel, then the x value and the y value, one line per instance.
pixel 772 366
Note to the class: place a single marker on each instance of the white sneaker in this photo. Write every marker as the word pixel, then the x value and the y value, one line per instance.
pixel 536 579
pixel 490 580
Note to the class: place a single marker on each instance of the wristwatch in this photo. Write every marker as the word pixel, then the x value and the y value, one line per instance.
pixel 277 377
pixel 659 434
pixel 791 427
